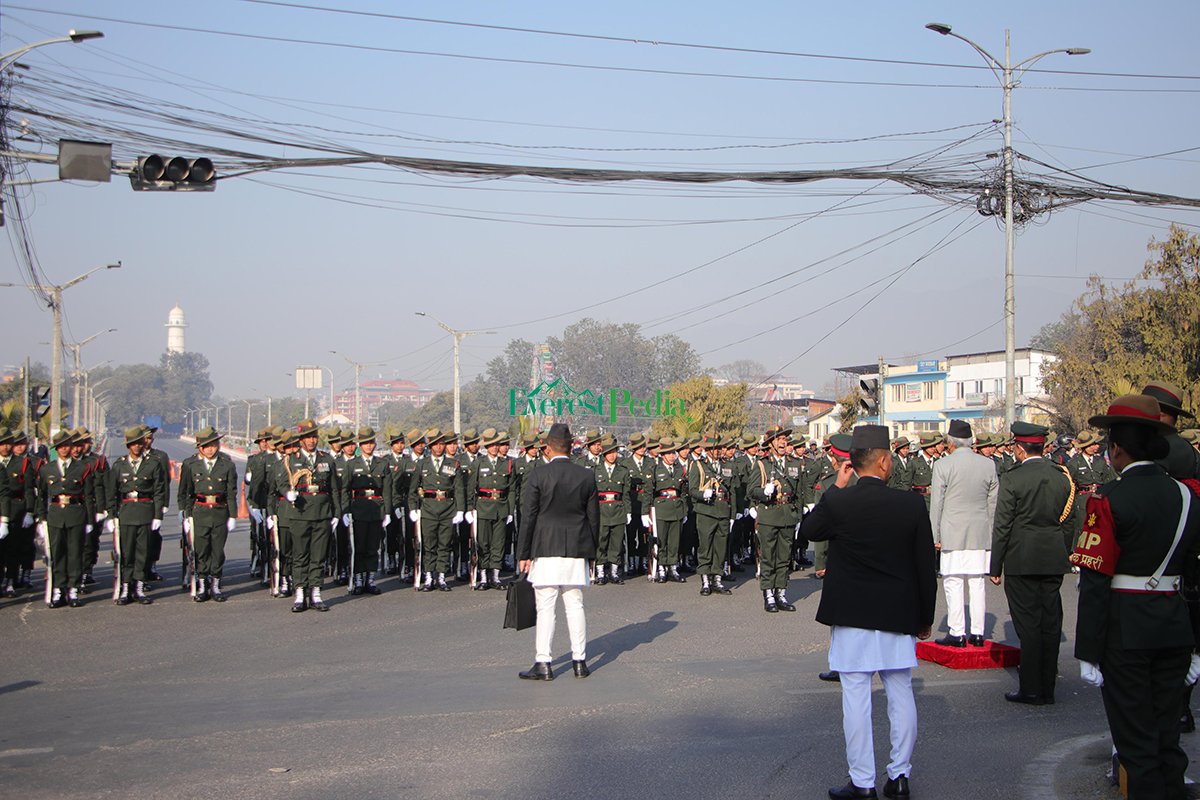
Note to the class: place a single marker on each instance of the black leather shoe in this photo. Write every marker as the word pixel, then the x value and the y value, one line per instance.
pixel 952 641
pixel 495 583
pixel 581 669
pixel 1027 699
pixel 154 576
pixel 705 590
pixel 482 586
pixel 616 580
pixel 371 588
pixel 88 579
pixel 975 641
pixel 850 791
pixel 601 579
pixel 896 788
pixel 769 602
pixel 444 587
pixel 538 672
pixel 804 562
pixel 782 604
pixel 298 607
pixel 830 676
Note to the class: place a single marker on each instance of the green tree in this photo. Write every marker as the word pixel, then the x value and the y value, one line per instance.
pixel 720 410
pixel 848 416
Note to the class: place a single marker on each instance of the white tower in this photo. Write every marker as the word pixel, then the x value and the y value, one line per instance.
pixel 175 326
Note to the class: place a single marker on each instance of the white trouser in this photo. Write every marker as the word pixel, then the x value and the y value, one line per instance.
pixel 547 600
pixel 856 722
pixel 955 614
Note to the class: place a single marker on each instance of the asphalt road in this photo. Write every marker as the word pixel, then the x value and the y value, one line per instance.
pixel 409 695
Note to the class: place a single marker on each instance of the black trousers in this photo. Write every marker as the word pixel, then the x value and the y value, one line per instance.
pixel 1035 605
pixel 1143 694
pixel 15 549
pixel 343 547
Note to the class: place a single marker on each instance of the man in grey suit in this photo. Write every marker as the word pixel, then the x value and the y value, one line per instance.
pixel 962 507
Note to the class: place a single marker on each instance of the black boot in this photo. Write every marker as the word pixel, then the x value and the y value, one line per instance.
pixel 123 598
pixel 769 602
pixel 718 587
pixel 782 602
pixel 705 589
pixel 538 672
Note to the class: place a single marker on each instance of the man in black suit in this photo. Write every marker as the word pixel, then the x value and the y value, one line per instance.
pixel 878 598
pixel 560 528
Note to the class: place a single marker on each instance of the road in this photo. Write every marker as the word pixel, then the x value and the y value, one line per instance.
pixel 416 696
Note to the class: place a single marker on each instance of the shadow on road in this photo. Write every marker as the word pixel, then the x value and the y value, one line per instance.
pixel 605 649
pixel 18 686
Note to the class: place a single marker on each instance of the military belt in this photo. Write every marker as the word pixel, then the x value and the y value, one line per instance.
pixel 133 497
pixel 67 500
pixel 310 490
pixel 493 494
pixel 921 489
pixel 211 499
pixel 1084 488
pixel 609 497
pixel 437 494
pixel 366 493
pixel 668 493
pixel 1145 584
pixel 783 499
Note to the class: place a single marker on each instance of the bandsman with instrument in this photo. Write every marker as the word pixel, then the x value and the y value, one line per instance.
pixel 775 489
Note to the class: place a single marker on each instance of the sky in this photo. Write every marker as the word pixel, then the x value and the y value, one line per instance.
pixel 279 268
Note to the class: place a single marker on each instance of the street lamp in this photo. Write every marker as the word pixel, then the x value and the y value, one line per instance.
pixel 8 59
pixel 358 368
pixel 1007 73
pixel 248 403
pixel 55 293
pixel 87 421
pixel 458 337
pixel 269 399
pixel 75 348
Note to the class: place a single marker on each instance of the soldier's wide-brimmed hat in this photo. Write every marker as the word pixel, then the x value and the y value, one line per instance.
pixel 749 440
pixel 470 436
pixel 6 436
pixel 840 444
pixel 775 431
pixel 278 435
pixel 929 440
pixel 637 440
pixel 307 428
pixel 1087 439
pixel 63 437
pixel 450 437
pixel 529 441
pixel 209 435
pixel 415 437
pixel 709 441
pixel 900 442
pixel 432 435
pixel 1169 397
pixel 19 437
pixel 135 434
pixel 81 435
pixel 667 445
pixel 609 444
pixel 262 435
pixel 1029 433
pixel 591 437
pixel 491 436
pixel 653 442
pixel 395 437
pixel 366 434
pixel 1191 435
pixel 1141 409
pixel 287 438
pixel 797 440
pixel 333 437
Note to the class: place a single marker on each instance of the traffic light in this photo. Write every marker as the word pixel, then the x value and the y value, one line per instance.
pixel 869 402
pixel 178 174
pixel 39 402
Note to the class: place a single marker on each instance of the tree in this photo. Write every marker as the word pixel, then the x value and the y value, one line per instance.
pixel 848 416
pixel 1113 339
pixel 393 415
pixel 135 391
pixel 719 410
pixel 185 383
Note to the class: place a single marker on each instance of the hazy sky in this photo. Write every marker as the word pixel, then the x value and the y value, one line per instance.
pixel 270 277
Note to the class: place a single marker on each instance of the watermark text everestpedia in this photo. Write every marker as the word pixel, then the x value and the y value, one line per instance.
pixel 588 403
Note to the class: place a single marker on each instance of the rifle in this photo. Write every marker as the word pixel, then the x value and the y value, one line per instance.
pixel 652 573
pixel 190 553
pixel 117 566
pixel 47 557
pixel 273 566
pixel 350 550
pixel 417 552
pixel 474 547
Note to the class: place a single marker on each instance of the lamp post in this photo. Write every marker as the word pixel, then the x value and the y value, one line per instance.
pixel 88 419
pixel 8 59
pixel 75 348
pixel 358 368
pixel 1008 73
pixel 269 399
pixel 458 337
pixel 248 403
pixel 55 293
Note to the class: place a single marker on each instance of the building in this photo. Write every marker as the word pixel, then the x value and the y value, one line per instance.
pixel 175 325
pixel 377 393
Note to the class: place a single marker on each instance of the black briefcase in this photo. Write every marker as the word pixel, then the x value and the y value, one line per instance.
pixel 521 612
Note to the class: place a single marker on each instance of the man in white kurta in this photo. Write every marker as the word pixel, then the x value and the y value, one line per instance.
pixel 962 505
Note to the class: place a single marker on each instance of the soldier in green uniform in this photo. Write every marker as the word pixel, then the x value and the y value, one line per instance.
pixel 309 484
pixel 164 461
pixel 342 447
pixel 18 481
pixel 491 505
pixel 613 489
pixel 709 483
pixel 256 501
pixel 208 500
pixel 64 515
pixel 743 528
pixel 437 500
pixel 822 471
pixel 1182 460
pixel 395 534
pixel 367 483
pixel 1134 637
pixel 800 559
pixel 899 479
pixel 839 452
pixel 1089 471
pixel 920 468
pixel 641 479
pixel 669 509
pixel 471 439
pixel 1031 539
pixel 775 488
pixel 589 456
pixel 136 493
pixel 280 510
pixel 82 450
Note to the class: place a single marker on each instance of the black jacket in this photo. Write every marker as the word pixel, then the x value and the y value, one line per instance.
pixel 880 573
pixel 560 513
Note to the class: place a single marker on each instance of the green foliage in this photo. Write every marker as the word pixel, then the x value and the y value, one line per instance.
pixel 1114 339
pixel 709 408
pixel 848 416
pixel 134 391
pixel 604 355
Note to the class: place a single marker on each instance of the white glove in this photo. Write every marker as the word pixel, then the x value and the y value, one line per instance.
pixel 333 523
pixel 249 475
pixel 43 529
pixel 165 512
pixel 458 517
pixel 387 521
pixel 87 528
pixel 753 513
pixel 809 507
pixel 628 518
pixel 230 524
pixel 738 516
pixel 3 529
pixel 187 525
pixel 1193 671
pixel 110 525
pixel 708 494
pixel 399 512
pixel 155 524
pixel 256 515
pixel 508 521
pixel 470 517
pixel 745 512
pixel 101 515
pixel 271 523
pixel 769 489
pixel 414 515
pixel 685 519
pixel 346 520
pixel 731 525
pixel 645 520
pixel 292 495
pixel 1091 673
pixel 28 521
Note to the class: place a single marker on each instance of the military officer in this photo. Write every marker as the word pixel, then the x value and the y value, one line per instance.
pixel 342 447
pixel 29 463
pixel 839 452
pixel 920 468
pixel 18 481
pixel 775 489
pixel 1031 539
pixel 641 476
pixel 613 489
pixel 471 442
pixel 800 557
pixel 1089 471
pixel 65 515
pixel 590 455
pixel 709 483
pixel 669 510
pixel 899 479
pixel 437 501
pixel 310 485
pixel 1133 637
pixel 743 529
pixel 207 497
pixel 368 484
pixel 136 495
pixel 491 504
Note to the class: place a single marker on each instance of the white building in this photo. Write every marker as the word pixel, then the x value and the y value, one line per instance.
pixel 975 387
pixel 175 325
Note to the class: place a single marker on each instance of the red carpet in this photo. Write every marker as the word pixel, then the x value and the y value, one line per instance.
pixel 992 654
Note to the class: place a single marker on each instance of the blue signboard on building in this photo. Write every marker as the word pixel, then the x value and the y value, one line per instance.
pixel 927 366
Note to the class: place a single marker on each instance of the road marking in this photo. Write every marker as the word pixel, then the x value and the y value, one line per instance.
pixel 28 751
pixel 518 730
pixel 1038 783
